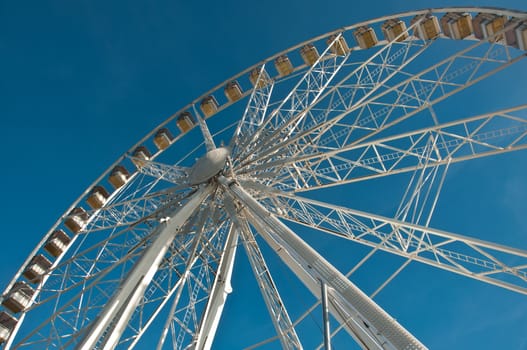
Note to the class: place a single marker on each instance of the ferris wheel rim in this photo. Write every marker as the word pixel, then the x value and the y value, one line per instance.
pixel 219 87
pixel 119 160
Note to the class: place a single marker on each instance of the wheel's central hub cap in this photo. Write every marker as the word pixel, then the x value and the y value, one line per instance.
pixel 209 165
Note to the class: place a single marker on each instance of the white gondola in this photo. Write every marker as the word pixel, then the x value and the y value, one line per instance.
pixel 7 324
pixel 309 54
pixel 37 267
pixel 163 138
pixel 57 243
pixel 76 219
pixel 428 27
pixel 339 46
pixel 209 106
pixel 19 297
pixel 487 24
pixel 365 37
pixel 393 29
pixel 283 65
pixel 118 176
pixel 97 197
pixel 233 91
pixel 185 122
pixel 139 155
pixel 457 25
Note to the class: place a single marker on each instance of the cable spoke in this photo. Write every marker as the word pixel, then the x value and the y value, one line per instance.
pixel 364 81
pixel 465 139
pixel 255 111
pixel 417 92
pixel 485 261
pixel 171 173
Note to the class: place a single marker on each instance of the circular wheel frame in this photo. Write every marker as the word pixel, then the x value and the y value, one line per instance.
pixel 365 117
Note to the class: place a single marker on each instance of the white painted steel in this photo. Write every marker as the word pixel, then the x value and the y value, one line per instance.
pixel 326 130
pixel 275 306
pixel 120 308
pixel 381 330
pixel 218 296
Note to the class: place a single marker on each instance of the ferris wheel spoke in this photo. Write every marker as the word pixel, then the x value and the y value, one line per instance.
pixel 492 263
pixel 419 198
pixel 186 321
pixel 255 111
pixel 420 90
pixel 398 103
pixel 205 235
pixel 218 294
pixel 134 211
pixel 71 312
pixel 294 109
pixel 94 286
pixel 170 274
pixel 80 269
pixel 171 173
pixel 98 268
pixel 302 121
pixel 110 323
pixel 422 193
pixel 364 81
pixel 364 319
pixel 118 249
pixel 277 311
pixel 458 141
pixel 195 268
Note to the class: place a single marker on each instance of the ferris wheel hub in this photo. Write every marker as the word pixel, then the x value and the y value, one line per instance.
pixel 209 165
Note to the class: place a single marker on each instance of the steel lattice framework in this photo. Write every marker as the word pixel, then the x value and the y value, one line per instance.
pixel 152 260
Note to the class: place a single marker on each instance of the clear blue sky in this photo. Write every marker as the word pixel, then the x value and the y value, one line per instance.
pixel 82 81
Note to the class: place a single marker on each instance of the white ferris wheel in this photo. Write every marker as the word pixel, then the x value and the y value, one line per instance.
pixel 267 163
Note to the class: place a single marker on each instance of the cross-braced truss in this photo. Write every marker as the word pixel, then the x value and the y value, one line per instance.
pixel 152 262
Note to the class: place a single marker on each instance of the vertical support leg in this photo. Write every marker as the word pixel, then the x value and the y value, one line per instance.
pixel 365 320
pixel 279 315
pixel 113 319
pixel 325 314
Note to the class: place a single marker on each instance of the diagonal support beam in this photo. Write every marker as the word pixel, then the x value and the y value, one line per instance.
pixel 172 173
pixel 185 275
pixel 120 308
pixel 488 262
pixel 457 141
pixel 365 320
pixel 218 296
pixel 255 111
pixel 281 320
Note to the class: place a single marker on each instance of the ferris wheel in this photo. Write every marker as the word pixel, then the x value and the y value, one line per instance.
pixel 271 163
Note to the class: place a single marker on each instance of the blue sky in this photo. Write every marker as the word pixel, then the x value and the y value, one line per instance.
pixel 82 81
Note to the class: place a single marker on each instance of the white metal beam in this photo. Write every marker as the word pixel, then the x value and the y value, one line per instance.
pixel 218 295
pixel 488 262
pixel 277 311
pixel 120 308
pixel 461 140
pixel 371 324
